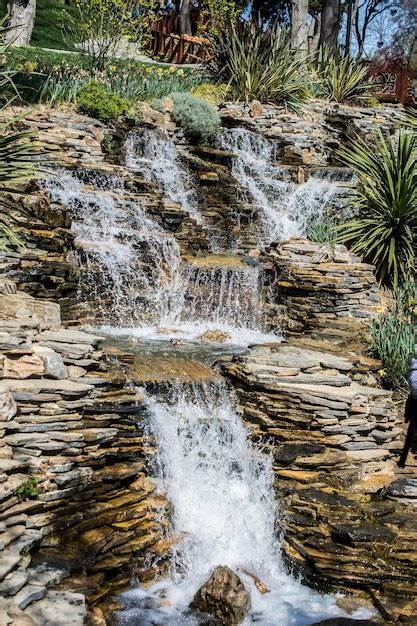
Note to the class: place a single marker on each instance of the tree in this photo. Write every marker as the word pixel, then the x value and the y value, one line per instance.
pixel 185 17
pixel 22 15
pixel 102 28
pixel 330 23
pixel 367 11
pixel 299 26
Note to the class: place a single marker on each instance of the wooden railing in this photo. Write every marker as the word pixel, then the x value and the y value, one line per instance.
pixel 167 44
pixel 395 84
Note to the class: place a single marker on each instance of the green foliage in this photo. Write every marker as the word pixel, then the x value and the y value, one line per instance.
pixel 220 13
pixel 101 28
pixel 54 77
pixel 95 100
pixel 394 334
pixel 213 93
pixel 340 78
pixel 411 119
pixel 258 63
pixel 198 119
pixel 29 489
pixel 384 231
pixel 323 230
pixel 16 152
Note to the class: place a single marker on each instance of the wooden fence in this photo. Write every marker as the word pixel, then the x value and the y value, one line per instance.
pixel 395 84
pixel 167 44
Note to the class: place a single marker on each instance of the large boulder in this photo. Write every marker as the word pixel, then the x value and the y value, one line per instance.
pixel 223 596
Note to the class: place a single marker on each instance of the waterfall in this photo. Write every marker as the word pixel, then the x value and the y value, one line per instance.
pixel 129 265
pixel 157 158
pixel 224 513
pixel 286 208
pixel 132 279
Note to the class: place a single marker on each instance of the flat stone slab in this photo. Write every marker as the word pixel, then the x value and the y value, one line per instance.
pixel 35 386
pixel 65 335
pixel 217 261
pixel 59 608
pixel 157 369
pixel 403 488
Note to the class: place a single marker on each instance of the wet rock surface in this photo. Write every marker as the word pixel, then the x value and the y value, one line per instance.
pixel 314 401
pixel 224 597
pixel 69 418
pixel 76 506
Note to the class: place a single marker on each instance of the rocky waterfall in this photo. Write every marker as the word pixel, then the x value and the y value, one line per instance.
pixel 185 385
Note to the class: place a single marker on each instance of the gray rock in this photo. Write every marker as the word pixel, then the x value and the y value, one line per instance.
pixel 8 408
pixel 64 335
pixel 29 594
pixel 52 362
pixel 403 488
pixel 13 583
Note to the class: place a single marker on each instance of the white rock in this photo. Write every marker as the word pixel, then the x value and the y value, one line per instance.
pixel 52 361
pixel 8 408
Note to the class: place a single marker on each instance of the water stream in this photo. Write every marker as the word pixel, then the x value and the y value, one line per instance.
pixel 133 281
pixel 224 513
pixel 286 208
pixel 156 157
pixel 135 284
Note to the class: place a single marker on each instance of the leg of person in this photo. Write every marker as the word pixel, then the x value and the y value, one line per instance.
pixel 407 444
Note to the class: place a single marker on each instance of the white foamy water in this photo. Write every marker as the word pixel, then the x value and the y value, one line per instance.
pixel 224 512
pixel 129 265
pixel 223 299
pixel 132 280
pixel 287 208
pixel 157 158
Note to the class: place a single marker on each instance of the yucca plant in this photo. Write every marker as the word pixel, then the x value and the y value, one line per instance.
pixel 394 334
pixel 411 120
pixel 258 63
pixel 341 78
pixel 384 231
pixel 16 151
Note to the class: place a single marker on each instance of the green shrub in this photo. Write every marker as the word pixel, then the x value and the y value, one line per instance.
pixel 17 152
pixel 95 100
pixel 213 93
pixel 258 63
pixel 199 120
pixel 384 230
pixel 323 230
pixel 394 335
pixel 29 489
pixel 340 78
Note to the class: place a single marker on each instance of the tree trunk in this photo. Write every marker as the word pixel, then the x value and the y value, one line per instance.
pixel 22 19
pixel 299 27
pixel 185 17
pixel 330 23
pixel 314 34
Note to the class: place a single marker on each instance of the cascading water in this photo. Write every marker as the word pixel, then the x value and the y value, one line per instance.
pixel 132 279
pixel 157 158
pixel 129 264
pixel 224 513
pixel 287 208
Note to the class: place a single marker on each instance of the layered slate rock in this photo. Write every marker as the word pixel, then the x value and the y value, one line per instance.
pixel 314 402
pixel 77 511
pixel 312 138
pixel 320 290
